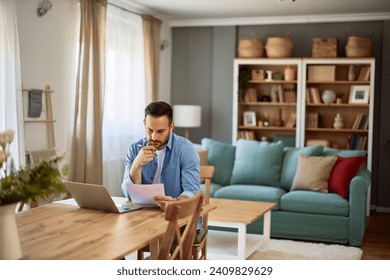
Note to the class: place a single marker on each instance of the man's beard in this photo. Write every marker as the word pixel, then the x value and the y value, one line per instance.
pixel 158 144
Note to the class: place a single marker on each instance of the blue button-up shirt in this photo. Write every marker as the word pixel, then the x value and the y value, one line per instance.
pixel 180 172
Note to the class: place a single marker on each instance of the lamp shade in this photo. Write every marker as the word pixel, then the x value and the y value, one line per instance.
pixel 187 115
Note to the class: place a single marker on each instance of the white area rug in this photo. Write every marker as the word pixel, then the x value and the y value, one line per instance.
pixel 297 250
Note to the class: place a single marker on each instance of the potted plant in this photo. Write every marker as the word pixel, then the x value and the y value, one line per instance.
pixel 23 185
pixel 243 82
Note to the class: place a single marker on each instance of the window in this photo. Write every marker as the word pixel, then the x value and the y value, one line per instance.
pixel 124 99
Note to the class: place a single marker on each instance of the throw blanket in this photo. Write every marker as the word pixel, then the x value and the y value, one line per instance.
pixel 34 103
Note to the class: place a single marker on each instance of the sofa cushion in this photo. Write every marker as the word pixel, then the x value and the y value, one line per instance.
pixel 342 173
pixel 343 153
pixel 290 162
pixel 221 156
pixel 257 163
pixel 314 203
pixel 313 173
pixel 252 193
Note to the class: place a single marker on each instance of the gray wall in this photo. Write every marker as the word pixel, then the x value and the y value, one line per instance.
pixel 192 74
pixel 202 72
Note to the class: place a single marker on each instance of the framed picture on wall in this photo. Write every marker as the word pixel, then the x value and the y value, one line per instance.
pixel 249 118
pixel 359 94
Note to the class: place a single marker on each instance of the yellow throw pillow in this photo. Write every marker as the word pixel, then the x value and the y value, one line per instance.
pixel 313 173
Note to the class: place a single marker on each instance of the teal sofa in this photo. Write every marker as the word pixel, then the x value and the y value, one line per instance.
pixel 263 171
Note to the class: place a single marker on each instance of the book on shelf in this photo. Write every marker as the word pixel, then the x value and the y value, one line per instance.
pixel 291 122
pixel 315 95
pixel 361 121
pixel 250 95
pixel 246 135
pixel 357 142
pixel 308 98
pixel 364 73
pixel 290 94
pixel 281 94
pixel 312 120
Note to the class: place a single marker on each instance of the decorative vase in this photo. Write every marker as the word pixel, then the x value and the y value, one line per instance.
pixel 338 122
pixel 289 73
pixel 10 248
pixel 269 75
pixel 328 96
pixel 279 122
pixel 351 73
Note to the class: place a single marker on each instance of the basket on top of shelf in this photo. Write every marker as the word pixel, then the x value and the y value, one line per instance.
pixel 250 48
pixel 324 47
pixel 278 47
pixel 358 46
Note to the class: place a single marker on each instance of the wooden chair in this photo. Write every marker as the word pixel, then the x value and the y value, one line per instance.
pixel 206 175
pixel 177 242
pixel 199 250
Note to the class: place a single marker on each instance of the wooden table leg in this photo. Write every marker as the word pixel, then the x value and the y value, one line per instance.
pixel 154 249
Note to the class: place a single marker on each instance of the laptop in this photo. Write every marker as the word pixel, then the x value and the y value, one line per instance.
pixel 96 197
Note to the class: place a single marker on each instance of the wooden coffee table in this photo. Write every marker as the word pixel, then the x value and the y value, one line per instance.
pixel 237 214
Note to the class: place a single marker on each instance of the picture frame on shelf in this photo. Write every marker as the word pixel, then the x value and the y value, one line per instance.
pixel 249 118
pixel 359 94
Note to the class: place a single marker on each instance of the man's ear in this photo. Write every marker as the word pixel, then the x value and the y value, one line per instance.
pixel 171 127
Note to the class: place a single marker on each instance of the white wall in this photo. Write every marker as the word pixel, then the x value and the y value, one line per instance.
pixel 47 48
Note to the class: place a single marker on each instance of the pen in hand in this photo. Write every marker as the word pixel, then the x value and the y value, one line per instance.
pixel 141 146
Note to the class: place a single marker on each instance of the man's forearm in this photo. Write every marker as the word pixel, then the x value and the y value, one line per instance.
pixel 136 174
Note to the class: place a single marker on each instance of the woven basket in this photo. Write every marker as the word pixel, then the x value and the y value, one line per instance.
pixel 279 47
pixel 358 47
pixel 324 47
pixel 250 48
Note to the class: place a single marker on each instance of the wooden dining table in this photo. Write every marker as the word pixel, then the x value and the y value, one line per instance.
pixel 64 232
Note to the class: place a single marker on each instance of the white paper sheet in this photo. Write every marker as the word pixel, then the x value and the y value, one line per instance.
pixel 142 194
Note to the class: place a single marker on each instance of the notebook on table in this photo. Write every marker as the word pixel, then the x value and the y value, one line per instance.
pixel 96 197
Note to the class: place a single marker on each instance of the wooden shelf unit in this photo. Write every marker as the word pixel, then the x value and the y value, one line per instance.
pixel 323 128
pixel 339 138
pixel 284 98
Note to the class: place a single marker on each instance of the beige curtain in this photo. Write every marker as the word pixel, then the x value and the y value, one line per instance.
pixel 151 27
pixel 86 157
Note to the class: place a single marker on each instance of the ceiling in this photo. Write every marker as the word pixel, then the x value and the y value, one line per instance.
pixel 186 10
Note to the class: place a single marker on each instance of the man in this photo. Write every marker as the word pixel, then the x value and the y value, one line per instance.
pixel 162 157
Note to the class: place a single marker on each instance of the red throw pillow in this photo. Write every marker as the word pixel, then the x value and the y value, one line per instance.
pixel 342 173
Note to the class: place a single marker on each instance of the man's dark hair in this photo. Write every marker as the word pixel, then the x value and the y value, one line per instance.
pixel 159 109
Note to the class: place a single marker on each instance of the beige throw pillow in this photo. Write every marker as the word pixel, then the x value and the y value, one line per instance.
pixel 203 156
pixel 313 173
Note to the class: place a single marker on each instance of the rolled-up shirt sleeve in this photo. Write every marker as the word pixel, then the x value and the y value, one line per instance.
pixel 130 156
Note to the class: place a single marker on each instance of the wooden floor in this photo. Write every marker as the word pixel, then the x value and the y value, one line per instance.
pixel 376 244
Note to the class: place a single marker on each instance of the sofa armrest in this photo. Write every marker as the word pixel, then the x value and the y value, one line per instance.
pixel 358 190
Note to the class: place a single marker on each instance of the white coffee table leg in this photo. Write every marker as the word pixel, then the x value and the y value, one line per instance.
pixel 241 246
pixel 267 228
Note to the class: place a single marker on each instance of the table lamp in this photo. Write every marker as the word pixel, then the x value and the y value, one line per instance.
pixel 187 116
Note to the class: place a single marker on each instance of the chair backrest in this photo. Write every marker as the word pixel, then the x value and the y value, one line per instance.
pixel 206 175
pixel 177 244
